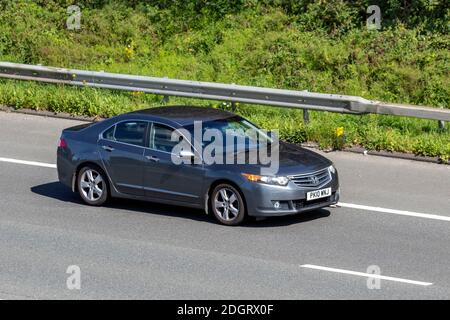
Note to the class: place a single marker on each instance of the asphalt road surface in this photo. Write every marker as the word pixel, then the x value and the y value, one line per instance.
pixel 394 217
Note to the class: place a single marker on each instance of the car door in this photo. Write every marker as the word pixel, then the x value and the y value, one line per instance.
pixel 163 179
pixel 122 151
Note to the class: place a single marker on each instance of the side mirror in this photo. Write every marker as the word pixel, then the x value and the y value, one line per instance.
pixel 273 134
pixel 187 154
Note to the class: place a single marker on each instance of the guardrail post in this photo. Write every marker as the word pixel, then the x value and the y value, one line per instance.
pixel 306 116
pixel 166 99
pixel 305 113
pixel 233 106
pixel 441 123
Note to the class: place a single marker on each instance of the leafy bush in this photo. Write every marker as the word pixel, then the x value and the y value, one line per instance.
pixel 319 46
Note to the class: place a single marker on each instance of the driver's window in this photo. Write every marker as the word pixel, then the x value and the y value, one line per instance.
pixel 161 138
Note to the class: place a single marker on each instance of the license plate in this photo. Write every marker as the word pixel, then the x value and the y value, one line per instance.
pixel 317 194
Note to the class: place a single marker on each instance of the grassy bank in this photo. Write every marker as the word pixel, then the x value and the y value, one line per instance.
pixel 249 42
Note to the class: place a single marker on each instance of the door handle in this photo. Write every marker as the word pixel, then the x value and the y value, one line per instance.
pixel 152 158
pixel 108 148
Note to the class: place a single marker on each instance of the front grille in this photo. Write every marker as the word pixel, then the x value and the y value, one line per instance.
pixel 312 180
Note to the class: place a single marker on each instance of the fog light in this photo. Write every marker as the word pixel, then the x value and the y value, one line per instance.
pixel 276 204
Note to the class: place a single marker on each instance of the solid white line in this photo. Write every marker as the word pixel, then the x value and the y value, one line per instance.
pixel 394 211
pixel 30 163
pixel 369 275
pixel 342 204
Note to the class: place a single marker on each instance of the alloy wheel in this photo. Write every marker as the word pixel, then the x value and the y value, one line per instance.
pixel 226 204
pixel 92 185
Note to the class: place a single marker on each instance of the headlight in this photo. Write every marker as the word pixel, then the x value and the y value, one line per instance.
pixel 332 169
pixel 279 181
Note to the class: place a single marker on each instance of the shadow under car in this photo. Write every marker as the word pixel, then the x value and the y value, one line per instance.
pixel 58 191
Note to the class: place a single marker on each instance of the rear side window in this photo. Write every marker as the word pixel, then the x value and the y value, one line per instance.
pixel 131 132
pixel 109 134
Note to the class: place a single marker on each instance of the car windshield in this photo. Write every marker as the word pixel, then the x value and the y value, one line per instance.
pixel 234 130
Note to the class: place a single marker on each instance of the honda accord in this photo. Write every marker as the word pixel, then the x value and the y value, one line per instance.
pixel 137 155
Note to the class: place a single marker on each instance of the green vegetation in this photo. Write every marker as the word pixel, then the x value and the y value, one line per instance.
pixel 319 46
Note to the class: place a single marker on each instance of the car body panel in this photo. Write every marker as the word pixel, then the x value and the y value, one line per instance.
pixel 163 179
pixel 124 165
pixel 132 174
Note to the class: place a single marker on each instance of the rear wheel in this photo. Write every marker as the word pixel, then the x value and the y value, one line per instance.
pixel 92 185
pixel 227 205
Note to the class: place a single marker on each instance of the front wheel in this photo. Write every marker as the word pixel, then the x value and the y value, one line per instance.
pixel 92 186
pixel 227 205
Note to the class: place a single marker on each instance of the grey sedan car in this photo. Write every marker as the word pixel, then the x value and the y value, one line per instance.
pixel 132 156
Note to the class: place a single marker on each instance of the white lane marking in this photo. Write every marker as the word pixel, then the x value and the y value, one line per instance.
pixel 342 204
pixel 369 275
pixel 30 163
pixel 394 211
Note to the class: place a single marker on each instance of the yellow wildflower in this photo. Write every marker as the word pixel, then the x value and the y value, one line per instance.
pixel 339 131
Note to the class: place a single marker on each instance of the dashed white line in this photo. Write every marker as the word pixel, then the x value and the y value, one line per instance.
pixel 394 211
pixel 368 275
pixel 30 163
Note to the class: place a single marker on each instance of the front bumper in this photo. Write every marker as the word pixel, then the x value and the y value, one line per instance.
pixel 261 198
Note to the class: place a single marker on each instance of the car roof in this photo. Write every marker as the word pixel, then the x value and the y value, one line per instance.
pixel 184 115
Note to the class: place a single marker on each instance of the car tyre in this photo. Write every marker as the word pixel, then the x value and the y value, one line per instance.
pixel 228 205
pixel 92 185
